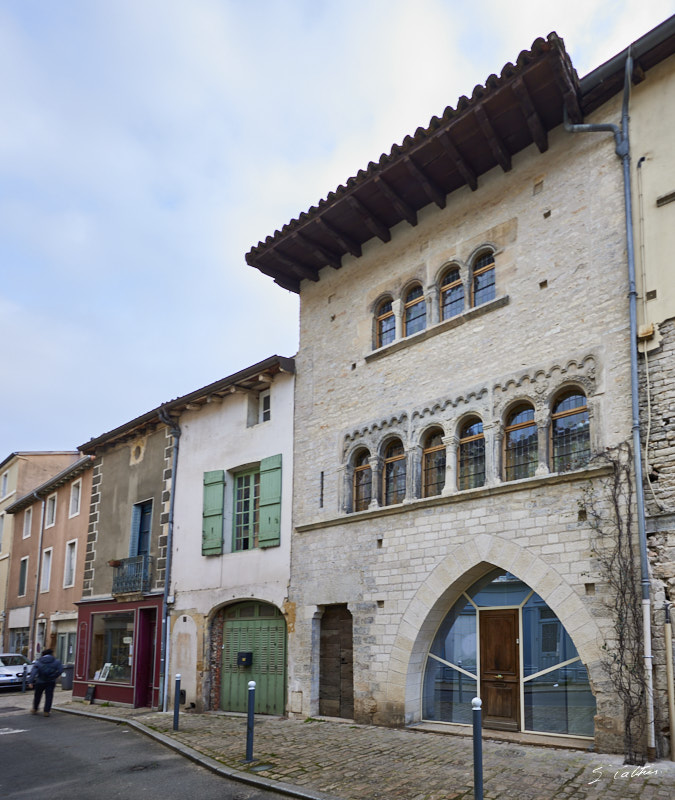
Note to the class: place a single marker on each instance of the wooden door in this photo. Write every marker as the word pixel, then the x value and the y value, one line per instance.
pixel 499 671
pixel 266 640
pixel 336 671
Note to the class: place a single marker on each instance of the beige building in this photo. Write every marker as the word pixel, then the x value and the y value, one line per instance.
pixel 464 352
pixel 19 473
pixel 47 567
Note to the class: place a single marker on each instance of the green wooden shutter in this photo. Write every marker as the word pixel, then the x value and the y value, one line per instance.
pixel 212 517
pixel 270 502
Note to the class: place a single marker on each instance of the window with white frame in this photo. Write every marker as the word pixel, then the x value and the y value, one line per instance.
pixel 50 515
pixel 264 406
pixel 46 569
pixel 4 484
pixel 27 522
pixel 75 497
pixel 69 565
pixel 23 576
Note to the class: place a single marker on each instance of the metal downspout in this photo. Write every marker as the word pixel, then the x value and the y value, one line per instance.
pixel 31 635
pixel 174 427
pixel 622 140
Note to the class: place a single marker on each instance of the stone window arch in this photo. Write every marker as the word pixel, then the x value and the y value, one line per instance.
pixel 570 444
pixel 521 449
pixel 471 454
pixel 362 480
pixel 385 322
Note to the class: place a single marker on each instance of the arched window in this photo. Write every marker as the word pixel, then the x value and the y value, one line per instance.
pixel 452 294
pixel 415 311
pixel 570 434
pixel 471 455
pixel 433 464
pixel 483 279
pixel 520 444
pixel 385 323
pixel 393 474
pixel 363 481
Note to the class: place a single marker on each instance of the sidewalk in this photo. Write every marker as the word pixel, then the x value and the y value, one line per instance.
pixel 324 759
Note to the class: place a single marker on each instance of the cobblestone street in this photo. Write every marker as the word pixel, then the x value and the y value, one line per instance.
pixel 354 762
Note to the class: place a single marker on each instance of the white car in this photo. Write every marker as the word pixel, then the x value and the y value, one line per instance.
pixel 11 669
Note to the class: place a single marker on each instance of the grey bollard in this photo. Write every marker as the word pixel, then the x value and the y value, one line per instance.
pixel 249 721
pixel 176 702
pixel 477 749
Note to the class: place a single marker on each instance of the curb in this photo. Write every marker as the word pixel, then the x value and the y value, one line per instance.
pixel 208 763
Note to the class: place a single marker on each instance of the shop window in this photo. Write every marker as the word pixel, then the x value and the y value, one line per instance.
pixel 415 312
pixel 111 647
pixel 452 294
pixel 520 444
pixel 433 464
pixel 393 474
pixel 570 432
pixel 471 455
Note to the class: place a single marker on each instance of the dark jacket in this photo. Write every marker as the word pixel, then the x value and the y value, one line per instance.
pixel 46 670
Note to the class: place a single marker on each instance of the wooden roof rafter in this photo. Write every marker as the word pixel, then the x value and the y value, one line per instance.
pixel 499 151
pixel 372 222
pixel 342 239
pixel 458 160
pixel 434 194
pixel 407 212
pixel 532 118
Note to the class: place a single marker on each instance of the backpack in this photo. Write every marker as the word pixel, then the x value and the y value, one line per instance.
pixel 48 670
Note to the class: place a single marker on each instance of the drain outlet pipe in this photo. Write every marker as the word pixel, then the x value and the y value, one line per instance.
pixel 174 427
pixel 622 142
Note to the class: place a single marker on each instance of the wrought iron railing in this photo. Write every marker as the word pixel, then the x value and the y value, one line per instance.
pixel 132 575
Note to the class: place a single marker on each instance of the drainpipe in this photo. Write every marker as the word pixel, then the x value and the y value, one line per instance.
pixel 622 149
pixel 33 616
pixel 669 680
pixel 164 659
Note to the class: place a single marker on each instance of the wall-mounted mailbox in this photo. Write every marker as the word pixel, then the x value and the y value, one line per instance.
pixel 244 659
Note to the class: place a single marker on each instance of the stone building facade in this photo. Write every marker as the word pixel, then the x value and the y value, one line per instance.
pixel 454 380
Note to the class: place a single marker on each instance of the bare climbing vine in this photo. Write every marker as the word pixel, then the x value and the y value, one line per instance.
pixel 610 514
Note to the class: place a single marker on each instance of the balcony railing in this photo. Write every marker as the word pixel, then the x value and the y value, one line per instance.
pixel 132 575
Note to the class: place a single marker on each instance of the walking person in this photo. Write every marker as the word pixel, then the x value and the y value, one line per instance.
pixel 43 679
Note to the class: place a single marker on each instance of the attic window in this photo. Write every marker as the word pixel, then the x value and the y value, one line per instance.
pixel 264 407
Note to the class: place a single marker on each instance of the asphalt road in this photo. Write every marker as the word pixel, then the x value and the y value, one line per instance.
pixel 64 757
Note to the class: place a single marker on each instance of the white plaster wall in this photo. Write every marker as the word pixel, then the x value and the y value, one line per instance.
pixel 216 437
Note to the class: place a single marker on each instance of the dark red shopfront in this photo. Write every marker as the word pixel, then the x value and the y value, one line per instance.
pixel 118 651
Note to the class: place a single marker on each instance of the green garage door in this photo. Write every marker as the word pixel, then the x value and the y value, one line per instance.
pixel 260 629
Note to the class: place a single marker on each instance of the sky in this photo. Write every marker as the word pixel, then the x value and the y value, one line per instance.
pixel 147 145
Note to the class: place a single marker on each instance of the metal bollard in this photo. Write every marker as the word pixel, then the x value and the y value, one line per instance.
pixel 249 722
pixel 23 679
pixel 477 750
pixel 176 702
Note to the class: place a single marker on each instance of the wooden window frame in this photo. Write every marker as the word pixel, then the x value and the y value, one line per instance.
pixel 387 461
pixel 555 415
pixel 519 426
pixel 481 270
pixel 427 452
pixel 408 304
pixel 380 317
pixel 464 440
pixel 249 531
pixel 447 287
pixel 357 505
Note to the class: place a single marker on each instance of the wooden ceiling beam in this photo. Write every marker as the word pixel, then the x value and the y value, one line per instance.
pixel 318 251
pixel 568 90
pixel 300 269
pixel 500 153
pixel 374 225
pixel 533 119
pixel 407 212
pixel 344 241
pixel 458 160
pixel 430 188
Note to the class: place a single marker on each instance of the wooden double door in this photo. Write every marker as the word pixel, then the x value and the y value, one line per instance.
pixel 500 669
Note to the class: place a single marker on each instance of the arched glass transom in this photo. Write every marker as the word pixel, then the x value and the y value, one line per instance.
pixel 527 672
